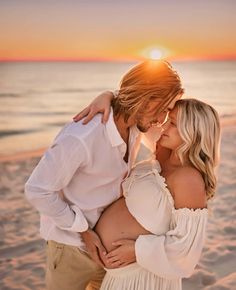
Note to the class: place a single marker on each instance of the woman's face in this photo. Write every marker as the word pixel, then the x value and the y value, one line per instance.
pixel 170 137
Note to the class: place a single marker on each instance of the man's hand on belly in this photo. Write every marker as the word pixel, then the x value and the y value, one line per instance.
pixel 94 246
pixel 123 255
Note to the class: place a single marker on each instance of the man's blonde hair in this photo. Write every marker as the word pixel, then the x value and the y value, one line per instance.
pixel 149 80
pixel 199 127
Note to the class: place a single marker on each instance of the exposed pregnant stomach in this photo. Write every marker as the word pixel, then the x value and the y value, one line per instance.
pixel 117 223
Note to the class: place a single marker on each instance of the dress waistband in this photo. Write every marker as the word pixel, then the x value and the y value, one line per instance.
pixel 134 267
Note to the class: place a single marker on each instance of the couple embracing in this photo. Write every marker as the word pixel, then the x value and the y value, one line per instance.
pixel 110 222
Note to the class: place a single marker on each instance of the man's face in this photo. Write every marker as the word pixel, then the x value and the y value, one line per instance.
pixel 148 116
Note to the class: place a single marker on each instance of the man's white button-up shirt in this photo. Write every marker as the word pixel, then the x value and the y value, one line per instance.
pixel 86 163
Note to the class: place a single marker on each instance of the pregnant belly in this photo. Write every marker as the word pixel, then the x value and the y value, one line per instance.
pixel 117 223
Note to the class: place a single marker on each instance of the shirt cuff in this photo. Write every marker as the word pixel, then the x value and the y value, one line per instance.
pixel 80 223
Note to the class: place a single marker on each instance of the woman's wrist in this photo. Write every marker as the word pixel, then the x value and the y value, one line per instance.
pixel 115 93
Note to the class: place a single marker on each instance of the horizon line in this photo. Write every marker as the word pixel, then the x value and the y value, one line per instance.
pixel 101 59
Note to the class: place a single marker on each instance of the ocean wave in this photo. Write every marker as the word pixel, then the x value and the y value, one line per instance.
pixel 35 113
pixel 57 124
pixel 9 95
pixel 228 119
pixel 78 90
pixel 6 133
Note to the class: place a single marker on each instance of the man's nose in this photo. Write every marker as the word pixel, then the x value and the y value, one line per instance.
pixel 166 125
pixel 162 118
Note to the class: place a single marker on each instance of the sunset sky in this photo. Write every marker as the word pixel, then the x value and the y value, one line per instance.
pixel 117 30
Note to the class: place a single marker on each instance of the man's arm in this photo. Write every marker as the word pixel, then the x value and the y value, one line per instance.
pixel 52 174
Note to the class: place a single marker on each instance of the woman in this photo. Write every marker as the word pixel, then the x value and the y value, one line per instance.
pixel 162 218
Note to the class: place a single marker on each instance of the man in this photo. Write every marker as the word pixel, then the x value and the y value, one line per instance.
pixel 81 173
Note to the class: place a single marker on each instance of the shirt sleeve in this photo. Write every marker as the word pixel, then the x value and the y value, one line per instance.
pixel 53 173
pixel 175 254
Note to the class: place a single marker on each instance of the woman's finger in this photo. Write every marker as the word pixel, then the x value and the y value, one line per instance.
pixel 116 264
pixel 89 116
pixel 81 114
pixel 106 114
pixel 111 254
pixel 113 259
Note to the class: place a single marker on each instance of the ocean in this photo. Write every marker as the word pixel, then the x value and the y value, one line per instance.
pixel 38 98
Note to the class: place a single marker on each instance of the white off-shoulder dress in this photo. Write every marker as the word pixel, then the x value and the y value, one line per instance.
pixel 173 249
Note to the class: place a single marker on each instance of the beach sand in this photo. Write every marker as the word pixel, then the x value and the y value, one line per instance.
pixel 22 255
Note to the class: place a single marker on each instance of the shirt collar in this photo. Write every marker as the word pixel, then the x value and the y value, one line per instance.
pixel 135 131
pixel 113 132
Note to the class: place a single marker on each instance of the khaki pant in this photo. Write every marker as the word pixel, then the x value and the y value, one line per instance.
pixel 69 268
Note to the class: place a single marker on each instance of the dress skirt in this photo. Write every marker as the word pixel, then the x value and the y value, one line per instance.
pixel 134 277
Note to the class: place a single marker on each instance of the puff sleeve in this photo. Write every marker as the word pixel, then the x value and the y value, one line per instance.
pixel 175 254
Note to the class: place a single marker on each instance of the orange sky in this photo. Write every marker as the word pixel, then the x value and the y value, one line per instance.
pixel 76 29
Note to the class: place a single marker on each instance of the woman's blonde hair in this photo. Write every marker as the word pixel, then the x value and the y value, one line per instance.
pixel 199 127
pixel 149 80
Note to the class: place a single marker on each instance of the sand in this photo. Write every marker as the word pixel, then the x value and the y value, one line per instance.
pixel 22 256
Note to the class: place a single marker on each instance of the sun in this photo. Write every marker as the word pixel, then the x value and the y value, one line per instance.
pixel 155 54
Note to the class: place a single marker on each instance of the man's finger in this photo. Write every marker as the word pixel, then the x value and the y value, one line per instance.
pixel 96 258
pixel 101 249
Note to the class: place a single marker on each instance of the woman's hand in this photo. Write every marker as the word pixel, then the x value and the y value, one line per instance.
pixel 123 255
pixel 101 104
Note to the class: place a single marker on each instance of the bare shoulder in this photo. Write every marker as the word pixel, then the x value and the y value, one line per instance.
pixel 188 188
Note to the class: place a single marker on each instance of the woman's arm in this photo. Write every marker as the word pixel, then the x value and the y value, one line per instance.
pixel 175 254
pixel 101 104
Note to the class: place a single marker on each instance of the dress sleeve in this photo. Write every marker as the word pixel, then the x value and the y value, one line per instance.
pixel 175 254
pixel 150 138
